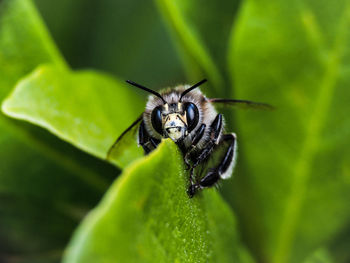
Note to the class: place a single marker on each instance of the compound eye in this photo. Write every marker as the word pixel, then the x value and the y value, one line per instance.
pixel 192 115
pixel 156 119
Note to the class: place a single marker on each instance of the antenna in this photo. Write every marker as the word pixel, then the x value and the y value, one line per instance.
pixel 191 88
pixel 146 89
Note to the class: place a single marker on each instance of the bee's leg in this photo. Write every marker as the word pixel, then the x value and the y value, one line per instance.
pixel 215 131
pixel 216 128
pixel 199 134
pixel 147 142
pixel 223 170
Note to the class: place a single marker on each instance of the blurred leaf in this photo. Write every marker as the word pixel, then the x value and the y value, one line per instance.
pixel 24 42
pixel 293 193
pixel 339 248
pixel 139 48
pixel 320 256
pixel 203 45
pixel 43 196
pixel 100 34
pixel 44 190
pixel 86 108
pixel 147 216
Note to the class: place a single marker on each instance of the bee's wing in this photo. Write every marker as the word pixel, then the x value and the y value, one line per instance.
pixel 245 104
pixel 125 147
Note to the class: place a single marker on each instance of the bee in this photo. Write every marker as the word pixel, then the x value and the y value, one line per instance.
pixel 186 116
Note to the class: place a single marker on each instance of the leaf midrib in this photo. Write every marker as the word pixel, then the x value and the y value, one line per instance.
pixel 304 163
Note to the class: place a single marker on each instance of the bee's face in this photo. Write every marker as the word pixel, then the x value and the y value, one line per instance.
pixel 175 117
pixel 175 120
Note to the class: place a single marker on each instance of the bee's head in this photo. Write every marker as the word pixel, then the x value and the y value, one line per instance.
pixel 175 120
pixel 171 114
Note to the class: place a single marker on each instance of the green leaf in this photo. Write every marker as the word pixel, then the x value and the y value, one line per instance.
pixel 147 216
pixel 194 25
pixel 24 43
pixel 86 108
pixel 339 249
pixel 295 161
pixel 320 256
pixel 43 196
pixel 46 186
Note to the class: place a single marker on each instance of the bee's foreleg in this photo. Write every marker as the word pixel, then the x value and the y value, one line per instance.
pixel 215 131
pixel 199 157
pixel 196 138
pixel 223 170
pixel 216 128
pixel 199 134
pixel 147 142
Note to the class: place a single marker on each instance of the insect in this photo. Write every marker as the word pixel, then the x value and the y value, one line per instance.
pixel 187 117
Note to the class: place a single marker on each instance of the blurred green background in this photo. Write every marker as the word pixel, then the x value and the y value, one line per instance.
pixel 125 38
pixel 291 189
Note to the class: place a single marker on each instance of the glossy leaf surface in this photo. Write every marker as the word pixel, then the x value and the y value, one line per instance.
pixel 86 108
